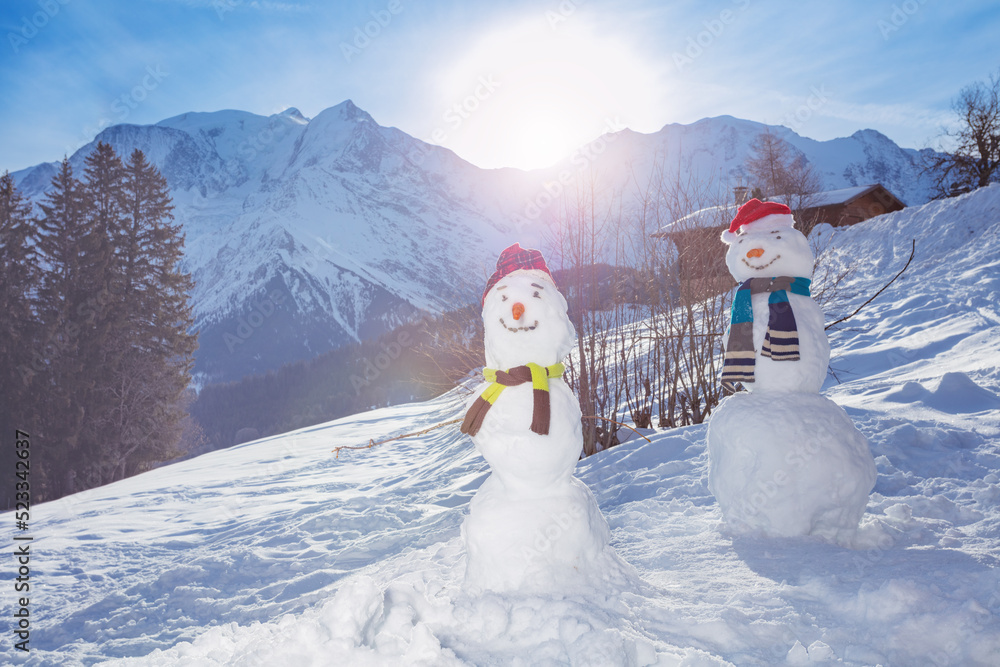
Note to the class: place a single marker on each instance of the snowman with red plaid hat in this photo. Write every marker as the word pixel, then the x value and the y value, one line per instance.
pixel 532 525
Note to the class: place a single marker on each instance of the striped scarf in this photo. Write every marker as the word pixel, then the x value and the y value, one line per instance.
pixel 781 343
pixel 537 375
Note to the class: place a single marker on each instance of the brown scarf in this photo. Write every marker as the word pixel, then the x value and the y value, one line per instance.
pixel 537 375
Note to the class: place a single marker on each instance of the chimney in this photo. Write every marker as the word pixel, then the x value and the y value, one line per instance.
pixel 740 193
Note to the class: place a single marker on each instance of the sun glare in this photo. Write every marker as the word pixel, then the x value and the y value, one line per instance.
pixel 529 95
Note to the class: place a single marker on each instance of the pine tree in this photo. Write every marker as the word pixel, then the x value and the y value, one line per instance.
pixel 19 333
pixel 109 336
pixel 154 370
pixel 75 255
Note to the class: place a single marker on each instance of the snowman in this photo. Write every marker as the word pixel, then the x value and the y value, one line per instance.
pixel 532 525
pixel 783 459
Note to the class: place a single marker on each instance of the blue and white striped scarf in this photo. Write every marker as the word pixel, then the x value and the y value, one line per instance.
pixel 781 343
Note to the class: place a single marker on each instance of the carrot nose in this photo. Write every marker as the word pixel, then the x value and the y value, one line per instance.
pixel 517 310
pixel 756 252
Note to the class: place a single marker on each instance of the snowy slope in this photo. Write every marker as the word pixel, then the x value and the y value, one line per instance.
pixel 304 234
pixel 276 552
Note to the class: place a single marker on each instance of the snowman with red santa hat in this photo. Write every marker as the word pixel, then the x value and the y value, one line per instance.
pixel 532 525
pixel 783 459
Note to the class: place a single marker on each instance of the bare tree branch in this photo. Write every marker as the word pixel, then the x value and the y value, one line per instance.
pixel 913 251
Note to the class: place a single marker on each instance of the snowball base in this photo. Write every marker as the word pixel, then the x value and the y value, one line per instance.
pixel 788 464
pixel 537 543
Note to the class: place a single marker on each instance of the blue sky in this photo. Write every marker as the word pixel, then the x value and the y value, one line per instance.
pixel 500 83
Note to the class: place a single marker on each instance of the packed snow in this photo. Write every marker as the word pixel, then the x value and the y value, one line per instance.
pixel 783 460
pixel 280 552
pixel 532 526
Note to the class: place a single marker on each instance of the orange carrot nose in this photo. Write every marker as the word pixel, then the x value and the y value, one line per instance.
pixel 517 310
pixel 756 252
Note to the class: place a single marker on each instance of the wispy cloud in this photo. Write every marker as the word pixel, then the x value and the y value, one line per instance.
pixel 760 61
pixel 265 5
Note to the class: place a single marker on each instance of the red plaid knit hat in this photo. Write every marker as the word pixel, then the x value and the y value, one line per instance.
pixel 516 258
pixel 754 210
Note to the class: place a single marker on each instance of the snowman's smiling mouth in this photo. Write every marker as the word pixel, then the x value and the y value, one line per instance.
pixel 760 268
pixel 516 329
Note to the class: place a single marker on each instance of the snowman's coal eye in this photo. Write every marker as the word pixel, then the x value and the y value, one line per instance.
pixel 777 237
pixel 536 295
pixel 503 297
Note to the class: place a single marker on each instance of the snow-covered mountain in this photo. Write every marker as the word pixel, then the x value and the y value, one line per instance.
pixel 278 552
pixel 304 234
pixel 711 153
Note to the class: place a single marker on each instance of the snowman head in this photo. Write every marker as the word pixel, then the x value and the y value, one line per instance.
pixel 524 316
pixel 764 243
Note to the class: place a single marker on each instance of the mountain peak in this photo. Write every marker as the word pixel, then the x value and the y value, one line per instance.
pixel 293 114
pixel 347 110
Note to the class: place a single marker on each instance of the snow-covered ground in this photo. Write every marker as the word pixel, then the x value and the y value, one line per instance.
pixel 278 553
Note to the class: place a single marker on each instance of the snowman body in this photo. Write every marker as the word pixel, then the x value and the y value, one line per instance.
pixel 532 525
pixel 808 373
pixel 784 460
pixel 768 249
pixel 525 462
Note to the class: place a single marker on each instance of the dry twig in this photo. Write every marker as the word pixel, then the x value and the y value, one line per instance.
pixel 374 443
pixel 913 251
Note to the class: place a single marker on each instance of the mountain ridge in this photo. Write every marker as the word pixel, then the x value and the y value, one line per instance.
pixel 358 227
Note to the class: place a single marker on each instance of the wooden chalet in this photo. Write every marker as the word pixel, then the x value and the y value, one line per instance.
pixel 849 206
pixel 698 254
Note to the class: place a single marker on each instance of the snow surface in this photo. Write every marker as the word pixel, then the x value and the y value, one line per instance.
pixel 838 196
pixel 787 464
pixel 276 552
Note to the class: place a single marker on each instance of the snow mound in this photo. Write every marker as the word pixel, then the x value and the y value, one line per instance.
pixel 956 393
pixel 789 464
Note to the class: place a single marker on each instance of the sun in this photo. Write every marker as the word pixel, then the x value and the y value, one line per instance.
pixel 529 94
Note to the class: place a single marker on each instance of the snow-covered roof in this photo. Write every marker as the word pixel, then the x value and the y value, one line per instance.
pixel 841 196
pixel 718 216
pixel 712 216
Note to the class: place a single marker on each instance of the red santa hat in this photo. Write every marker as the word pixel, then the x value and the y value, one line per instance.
pixel 516 258
pixel 759 212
